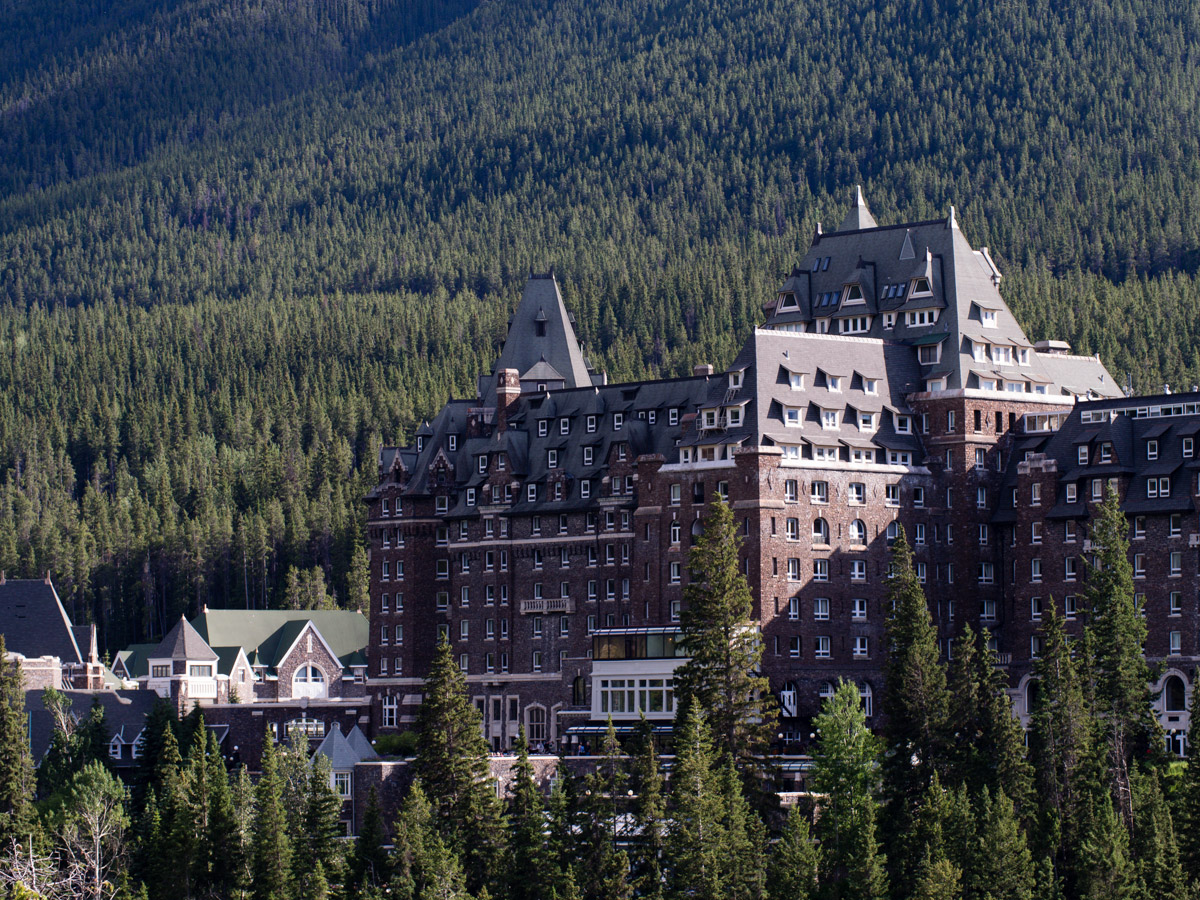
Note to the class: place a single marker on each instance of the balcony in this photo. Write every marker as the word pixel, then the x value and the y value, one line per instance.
pixel 555 605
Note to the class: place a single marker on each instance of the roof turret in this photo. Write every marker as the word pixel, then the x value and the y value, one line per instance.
pixel 859 216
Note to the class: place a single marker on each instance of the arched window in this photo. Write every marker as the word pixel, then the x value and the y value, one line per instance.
pixel 868 699
pixel 1174 694
pixel 1031 695
pixel 893 532
pixel 309 681
pixel 826 692
pixel 820 531
pixel 788 699
pixel 858 532
pixel 537 724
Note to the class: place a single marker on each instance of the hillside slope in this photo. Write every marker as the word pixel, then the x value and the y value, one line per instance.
pixel 373 179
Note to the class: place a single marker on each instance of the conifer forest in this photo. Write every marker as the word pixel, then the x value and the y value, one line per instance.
pixel 244 244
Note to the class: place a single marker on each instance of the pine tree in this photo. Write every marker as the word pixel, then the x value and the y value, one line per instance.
pixel 1188 803
pixel 370 864
pixel 1007 764
pixel 998 864
pixel 241 858
pixel 915 707
pixel 649 816
pixel 223 852
pixel 1154 848
pixel 410 843
pixel 1122 676
pixel 318 844
pixel 846 771
pixel 694 838
pixel 743 866
pixel 452 762
pixel 724 648
pixel 561 835
pixel 1062 747
pixel 527 825
pixel 16 764
pixel 1106 872
pixel 794 861
pixel 604 868
pixel 271 850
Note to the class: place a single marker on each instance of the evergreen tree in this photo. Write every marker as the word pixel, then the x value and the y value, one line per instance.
pixel 412 834
pixel 649 816
pixel 527 825
pixel 695 835
pixel 1062 748
pixel 743 865
pixel 561 837
pixel 724 648
pixel 1106 871
pixel 223 857
pixel 271 851
pixel 915 707
pixel 1187 803
pixel 1154 848
pixel 318 844
pixel 16 765
pixel 1007 765
pixel 998 864
pixel 794 861
pixel 452 762
pixel 241 858
pixel 370 864
pixel 604 868
pixel 846 771
pixel 1122 676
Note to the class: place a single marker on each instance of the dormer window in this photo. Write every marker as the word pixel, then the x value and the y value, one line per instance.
pixel 543 427
pixel 564 426
pixel 442 503
pixel 591 424
pixel 866 422
pixel 796 380
pixel 988 318
pixel 452 442
pixel 710 418
pixel 552 459
pixel 871 386
pixel 483 463
pixel 822 326
pixel 734 416
pixel 929 354
pixel 1023 356
pixel 735 380
pixel 854 294
pixel 829 418
pixel 1002 355
pixel 825 263
pixel 920 286
pixel 980 351
pixel 791 416
pixel 904 424
pixel 1151 449
pixel 921 317
pixel 787 301
pixel 856 325
pixel 420 444
pixel 889 320
pixel 1105 453
pixel 618 421
pixel 833 382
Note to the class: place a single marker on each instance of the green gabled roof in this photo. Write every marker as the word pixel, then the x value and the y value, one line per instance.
pixel 136 659
pixel 266 635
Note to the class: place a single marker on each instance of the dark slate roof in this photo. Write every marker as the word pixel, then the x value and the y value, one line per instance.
pixel 1130 424
pixel 555 352
pixel 884 263
pixel 183 642
pixel 266 635
pixel 344 752
pixel 34 622
pixel 124 713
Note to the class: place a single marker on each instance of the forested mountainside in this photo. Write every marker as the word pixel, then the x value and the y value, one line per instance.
pixel 241 243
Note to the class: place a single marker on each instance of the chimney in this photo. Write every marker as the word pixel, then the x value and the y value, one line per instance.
pixel 702 369
pixel 47 578
pixel 2 579
pixel 508 391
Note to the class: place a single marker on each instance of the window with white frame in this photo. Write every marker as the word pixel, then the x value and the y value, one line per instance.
pixel 819 492
pixel 821 647
pixel 820 570
pixel 861 647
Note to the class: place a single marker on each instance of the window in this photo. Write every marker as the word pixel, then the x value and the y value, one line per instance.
pixel 857 492
pixel 983 534
pixel 858 532
pixel 858 569
pixel 919 534
pixel 618 421
pixel 903 424
pixel 1139 565
pixel 1159 487
pixel 892 495
pixel 1035 570
pixel 1176 564
pixel 1139 527
pixel 858 609
pixel 829 418
pixel 918 497
pixel 1035 646
pixel 591 424
pixel 531 493
pixel 1176 638
pixel 820 570
pixel 1035 536
pixel 552 459
pixel 930 354
pixel 989 609
pixel 791 490
pixel 1072 493
pixel 1035 609
pixel 1097 488
pixel 160 671
pixel 1070 568
pixel 390 707
pixel 820 531
pixel 822 647
pixel 986 573
pixel 861 646
pixel 794 608
pixel 1176 525
pixel 980 459
pixel 1175 603
pixel 675 571
pixel 819 492
pixel 794 648
pixel 1151 449
pixel 1035 494
pixel 1188 448
pixel 793 569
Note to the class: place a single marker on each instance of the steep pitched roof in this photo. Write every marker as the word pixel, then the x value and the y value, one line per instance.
pixel 345 752
pixel 183 642
pixel 134 660
pixel 541 330
pixel 859 216
pixel 34 622
pixel 124 714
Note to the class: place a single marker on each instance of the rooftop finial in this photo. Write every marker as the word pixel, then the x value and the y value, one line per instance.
pixel 859 216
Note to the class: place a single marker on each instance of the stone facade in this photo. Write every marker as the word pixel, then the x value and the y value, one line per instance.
pixel 888 387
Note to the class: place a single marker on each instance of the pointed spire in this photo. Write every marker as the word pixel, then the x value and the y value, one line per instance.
pixel 906 249
pixel 859 216
pixel 952 222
